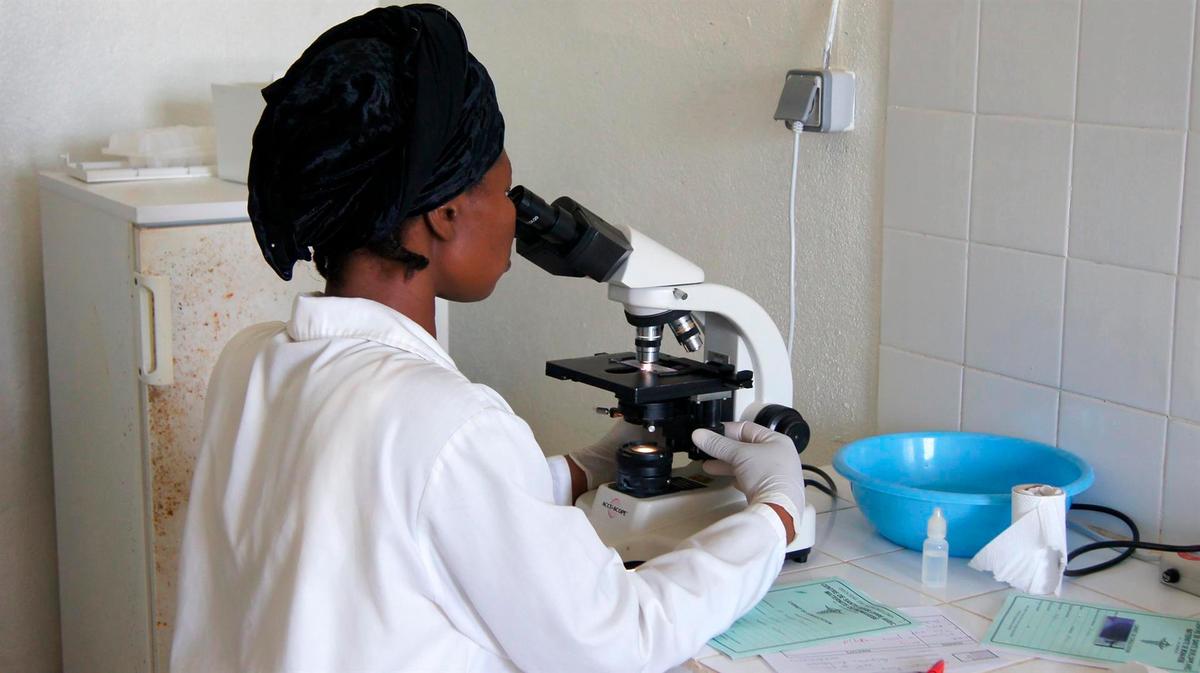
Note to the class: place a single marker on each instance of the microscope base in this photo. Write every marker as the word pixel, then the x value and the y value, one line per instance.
pixel 642 528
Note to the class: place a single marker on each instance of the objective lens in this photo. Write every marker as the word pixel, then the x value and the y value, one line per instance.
pixel 647 342
pixel 688 333
pixel 643 469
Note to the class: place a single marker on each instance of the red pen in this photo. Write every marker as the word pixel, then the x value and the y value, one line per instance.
pixel 939 667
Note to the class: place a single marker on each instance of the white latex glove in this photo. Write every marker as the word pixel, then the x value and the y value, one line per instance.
pixel 599 461
pixel 764 463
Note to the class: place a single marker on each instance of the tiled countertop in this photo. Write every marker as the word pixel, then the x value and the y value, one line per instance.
pixel 848 547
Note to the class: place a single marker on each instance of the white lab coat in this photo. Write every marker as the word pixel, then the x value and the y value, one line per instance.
pixel 360 506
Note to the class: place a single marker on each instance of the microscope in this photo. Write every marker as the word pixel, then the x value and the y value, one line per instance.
pixel 744 374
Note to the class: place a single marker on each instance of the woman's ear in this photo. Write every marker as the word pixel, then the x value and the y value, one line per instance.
pixel 443 221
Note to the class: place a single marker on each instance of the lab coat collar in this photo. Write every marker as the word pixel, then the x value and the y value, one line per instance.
pixel 316 316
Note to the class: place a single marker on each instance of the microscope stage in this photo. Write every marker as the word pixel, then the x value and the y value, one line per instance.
pixel 672 378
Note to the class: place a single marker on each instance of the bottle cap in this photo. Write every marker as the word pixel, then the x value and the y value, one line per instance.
pixel 936 528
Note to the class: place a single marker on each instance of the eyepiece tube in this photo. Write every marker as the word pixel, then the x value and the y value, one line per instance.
pixel 538 219
pixel 567 239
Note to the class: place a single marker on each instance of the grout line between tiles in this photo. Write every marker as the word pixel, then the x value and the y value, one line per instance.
pixel 922 355
pixel 1119 599
pixel 1062 332
pixel 975 65
pixel 966 295
pixel 1040 118
pixel 1010 377
pixel 854 561
pixel 1078 53
pixel 1061 390
pixel 941 601
pixel 981 593
pixel 1035 252
pixel 1066 277
pixel 975 612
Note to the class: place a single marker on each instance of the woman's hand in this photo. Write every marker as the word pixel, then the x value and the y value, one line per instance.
pixel 764 464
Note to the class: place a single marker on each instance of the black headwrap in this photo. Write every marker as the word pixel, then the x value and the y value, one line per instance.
pixel 384 117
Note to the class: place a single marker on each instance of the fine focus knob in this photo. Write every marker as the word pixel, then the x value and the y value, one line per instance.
pixel 785 420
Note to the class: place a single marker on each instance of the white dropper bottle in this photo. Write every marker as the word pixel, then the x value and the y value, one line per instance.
pixel 935 554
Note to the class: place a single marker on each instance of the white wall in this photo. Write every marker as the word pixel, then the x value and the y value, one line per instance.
pixel 71 72
pixel 1041 272
pixel 659 115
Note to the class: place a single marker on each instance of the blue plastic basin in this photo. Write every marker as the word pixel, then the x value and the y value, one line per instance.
pixel 897 480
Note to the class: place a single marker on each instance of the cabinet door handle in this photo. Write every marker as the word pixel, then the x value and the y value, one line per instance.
pixel 154 314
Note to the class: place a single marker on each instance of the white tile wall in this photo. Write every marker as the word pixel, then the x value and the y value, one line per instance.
pixel 1037 80
pixel 1194 117
pixel 1020 183
pixel 1003 406
pixel 1046 152
pixel 1181 494
pixel 934 67
pixel 1126 195
pixel 928 158
pixel 1185 380
pixel 1117 334
pixel 1127 450
pixel 917 393
pixel 924 281
pixel 1014 324
pixel 1118 39
pixel 1189 253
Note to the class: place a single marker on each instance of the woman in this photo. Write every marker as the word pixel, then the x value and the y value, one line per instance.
pixel 358 504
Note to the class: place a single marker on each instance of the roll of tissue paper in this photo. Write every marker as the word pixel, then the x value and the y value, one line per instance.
pixel 1031 554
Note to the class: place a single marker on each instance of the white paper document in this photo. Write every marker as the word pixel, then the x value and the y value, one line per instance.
pixel 936 637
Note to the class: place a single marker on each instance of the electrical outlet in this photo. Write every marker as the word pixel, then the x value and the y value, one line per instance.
pixel 822 101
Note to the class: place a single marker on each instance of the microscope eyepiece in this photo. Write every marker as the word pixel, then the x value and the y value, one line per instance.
pixel 565 238
pixel 537 219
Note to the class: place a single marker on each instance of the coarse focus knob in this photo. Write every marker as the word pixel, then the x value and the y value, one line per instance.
pixel 785 420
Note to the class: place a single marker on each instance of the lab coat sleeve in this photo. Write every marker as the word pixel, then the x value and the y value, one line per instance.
pixel 551 595
pixel 560 479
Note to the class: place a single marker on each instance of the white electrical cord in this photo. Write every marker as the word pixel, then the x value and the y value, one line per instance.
pixel 797 129
pixel 829 30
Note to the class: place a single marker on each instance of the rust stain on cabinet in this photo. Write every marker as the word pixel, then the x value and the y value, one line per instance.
pixel 219 286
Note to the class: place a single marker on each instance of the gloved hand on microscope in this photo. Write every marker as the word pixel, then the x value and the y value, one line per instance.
pixel 764 464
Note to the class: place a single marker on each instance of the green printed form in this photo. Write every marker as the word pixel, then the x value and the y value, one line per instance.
pixel 1065 630
pixel 802 615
